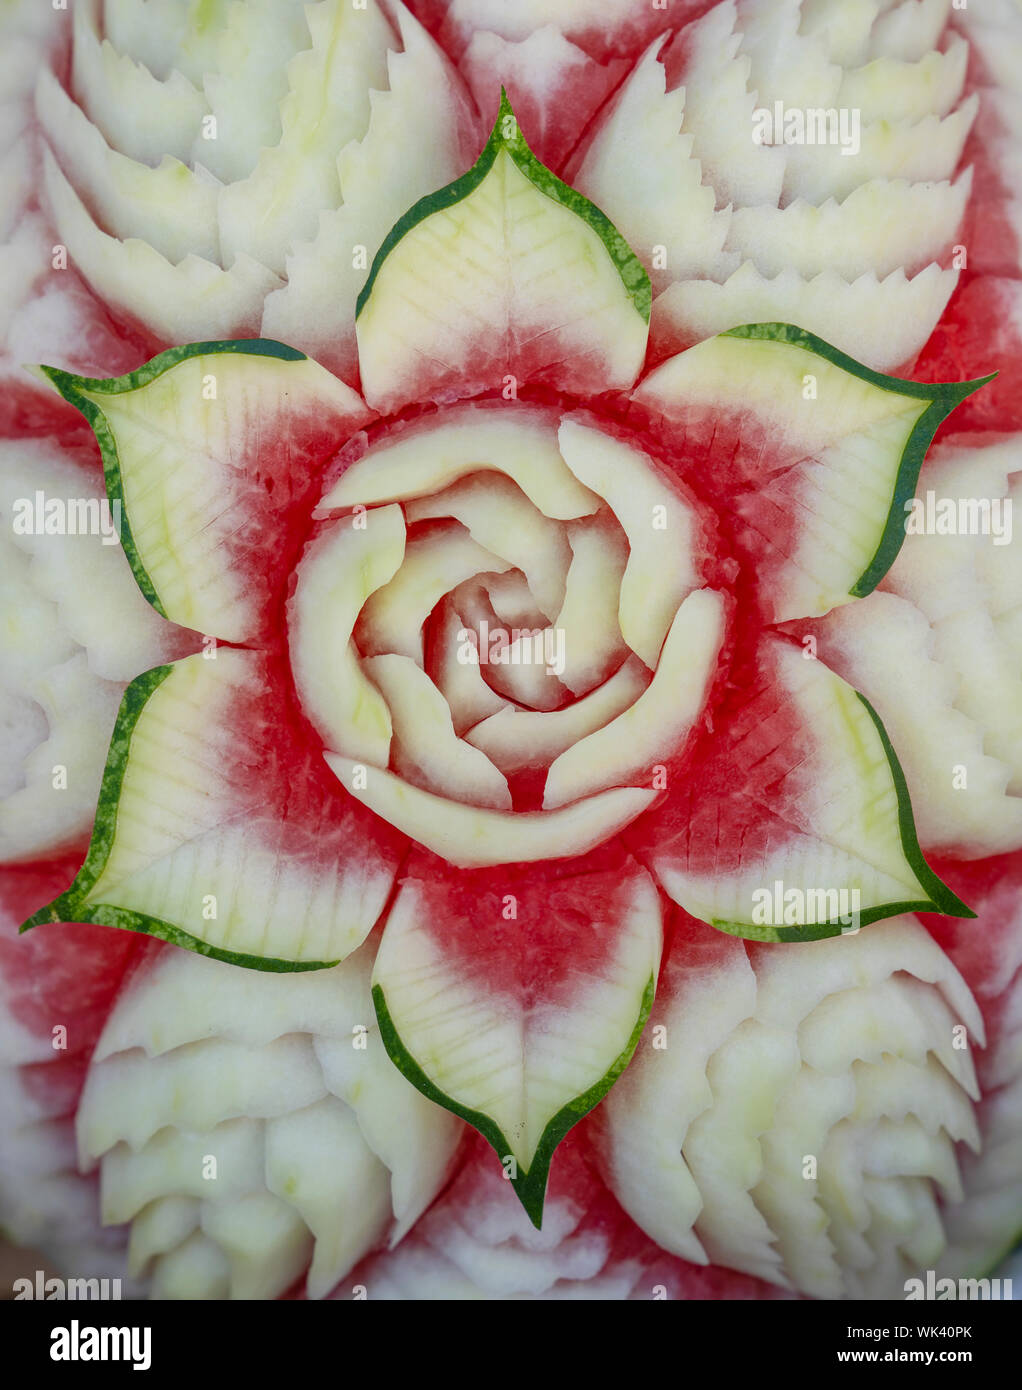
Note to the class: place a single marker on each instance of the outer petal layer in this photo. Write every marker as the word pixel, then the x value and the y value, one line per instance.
pixel 813 455
pixel 209 449
pixel 476 1243
pixel 76 629
pixel 793 821
pixel 516 1000
pixel 219 827
pixel 505 273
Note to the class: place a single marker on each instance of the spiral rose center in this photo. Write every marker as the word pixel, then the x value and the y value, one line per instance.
pixel 499 632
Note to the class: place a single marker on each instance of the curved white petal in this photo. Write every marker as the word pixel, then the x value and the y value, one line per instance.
pixel 652 728
pixel 660 528
pixel 336 576
pixel 427 751
pixel 473 838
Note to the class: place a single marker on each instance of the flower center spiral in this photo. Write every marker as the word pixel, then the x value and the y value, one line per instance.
pixel 500 634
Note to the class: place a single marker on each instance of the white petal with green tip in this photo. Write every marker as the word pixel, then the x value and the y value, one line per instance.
pixel 882 323
pixel 844 833
pixel 190 845
pixel 487 1051
pixel 848 446
pixel 772 376
pixel 505 272
pixel 193 443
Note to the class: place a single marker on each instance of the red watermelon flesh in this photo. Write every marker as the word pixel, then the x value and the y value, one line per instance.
pixel 981 325
pixel 66 325
pixel 476 1242
pixel 556 88
pixel 621 28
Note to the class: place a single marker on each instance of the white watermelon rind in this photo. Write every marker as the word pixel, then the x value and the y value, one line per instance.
pixel 529 1187
pixel 944 397
pixel 941 898
pixel 72 387
pixel 506 137
pixel 72 905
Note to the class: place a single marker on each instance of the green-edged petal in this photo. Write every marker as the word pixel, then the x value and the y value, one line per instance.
pixel 814 456
pixel 208 451
pixel 515 1000
pixel 221 830
pixel 793 820
pixel 505 273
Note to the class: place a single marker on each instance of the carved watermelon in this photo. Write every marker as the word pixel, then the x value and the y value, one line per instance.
pixel 555 828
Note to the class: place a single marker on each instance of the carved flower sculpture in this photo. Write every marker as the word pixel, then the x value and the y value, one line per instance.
pixel 524 689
